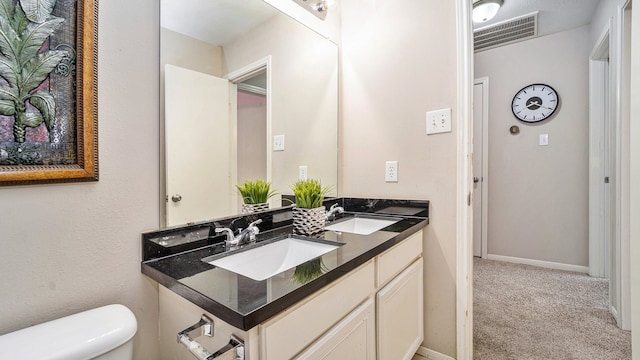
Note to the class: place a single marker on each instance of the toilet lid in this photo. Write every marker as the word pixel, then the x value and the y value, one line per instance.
pixel 83 335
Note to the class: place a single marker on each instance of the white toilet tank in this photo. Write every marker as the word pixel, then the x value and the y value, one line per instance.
pixel 104 333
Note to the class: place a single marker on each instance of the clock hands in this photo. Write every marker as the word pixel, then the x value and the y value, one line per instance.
pixel 535 103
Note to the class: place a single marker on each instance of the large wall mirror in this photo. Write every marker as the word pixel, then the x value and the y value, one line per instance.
pixel 234 75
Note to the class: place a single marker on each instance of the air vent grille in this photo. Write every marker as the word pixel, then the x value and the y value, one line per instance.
pixel 506 32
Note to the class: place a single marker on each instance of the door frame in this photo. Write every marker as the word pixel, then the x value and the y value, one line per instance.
pixel 240 75
pixel 464 213
pixel 623 185
pixel 599 110
pixel 484 81
pixel 609 208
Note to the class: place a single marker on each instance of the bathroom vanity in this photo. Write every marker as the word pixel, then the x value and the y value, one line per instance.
pixel 361 300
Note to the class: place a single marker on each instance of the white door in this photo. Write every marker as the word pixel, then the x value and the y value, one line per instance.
pixel 479 158
pixel 197 145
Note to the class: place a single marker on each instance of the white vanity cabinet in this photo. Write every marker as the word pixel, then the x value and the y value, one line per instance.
pixel 372 313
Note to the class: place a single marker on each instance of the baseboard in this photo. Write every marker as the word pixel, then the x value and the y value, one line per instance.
pixel 540 263
pixel 614 313
pixel 432 355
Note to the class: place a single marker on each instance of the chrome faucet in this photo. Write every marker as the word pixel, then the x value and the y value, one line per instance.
pixel 245 236
pixel 331 214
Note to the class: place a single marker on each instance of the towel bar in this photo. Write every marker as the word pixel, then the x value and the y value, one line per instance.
pixel 204 327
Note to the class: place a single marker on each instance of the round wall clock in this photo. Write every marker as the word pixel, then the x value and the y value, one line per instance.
pixel 535 102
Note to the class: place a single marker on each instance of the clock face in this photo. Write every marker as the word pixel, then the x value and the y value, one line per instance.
pixel 535 103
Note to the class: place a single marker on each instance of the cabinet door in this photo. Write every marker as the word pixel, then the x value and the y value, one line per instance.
pixel 352 338
pixel 400 315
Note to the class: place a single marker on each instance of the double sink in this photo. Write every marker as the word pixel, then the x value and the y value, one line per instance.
pixel 265 259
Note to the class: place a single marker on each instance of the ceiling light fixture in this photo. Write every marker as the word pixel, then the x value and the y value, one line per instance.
pixel 319 8
pixel 485 10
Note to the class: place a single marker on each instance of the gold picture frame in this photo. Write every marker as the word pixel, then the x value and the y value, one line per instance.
pixel 80 128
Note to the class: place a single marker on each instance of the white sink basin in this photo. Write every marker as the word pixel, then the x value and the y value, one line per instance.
pixel 361 225
pixel 265 261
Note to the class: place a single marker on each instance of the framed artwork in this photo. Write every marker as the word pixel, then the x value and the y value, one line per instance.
pixel 48 91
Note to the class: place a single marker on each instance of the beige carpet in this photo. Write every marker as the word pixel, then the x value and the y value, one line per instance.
pixel 527 312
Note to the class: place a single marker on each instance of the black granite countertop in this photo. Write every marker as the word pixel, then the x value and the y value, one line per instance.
pixel 244 302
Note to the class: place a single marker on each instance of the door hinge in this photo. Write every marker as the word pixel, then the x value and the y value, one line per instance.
pixel 606 179
pixel 469 199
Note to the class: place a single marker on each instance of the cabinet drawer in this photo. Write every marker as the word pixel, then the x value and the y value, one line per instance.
pixel 394 260
pixel 287 334
pixel 353 338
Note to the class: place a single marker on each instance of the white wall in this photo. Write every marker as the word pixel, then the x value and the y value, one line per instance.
pixel 71 247
pixel 189 53
pixel 398 61
pixel 538 195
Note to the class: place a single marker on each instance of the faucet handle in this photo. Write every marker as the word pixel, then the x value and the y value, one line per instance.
pixel 331 213
pixel 227 231
pixel 254 230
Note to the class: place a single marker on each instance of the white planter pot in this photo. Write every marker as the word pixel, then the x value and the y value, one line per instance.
pixel 308 221
pixel 252 208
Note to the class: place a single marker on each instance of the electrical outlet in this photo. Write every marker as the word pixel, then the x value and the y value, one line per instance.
pixel 391 171
pixel 302 172
pixel 438 121
pixel 278 143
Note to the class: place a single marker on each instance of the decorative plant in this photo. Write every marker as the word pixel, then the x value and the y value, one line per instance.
pixel 24 28
pixel 255 192
pixel 309 193
pixel 309 271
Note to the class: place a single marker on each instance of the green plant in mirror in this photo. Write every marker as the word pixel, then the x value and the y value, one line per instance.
pixel 255 191
pixel 24 28
pixel 308 271
pixel 309 193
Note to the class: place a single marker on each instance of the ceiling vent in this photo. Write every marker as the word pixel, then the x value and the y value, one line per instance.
pixel 506 32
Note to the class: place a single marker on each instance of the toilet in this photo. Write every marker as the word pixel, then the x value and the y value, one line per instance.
pixel 104 333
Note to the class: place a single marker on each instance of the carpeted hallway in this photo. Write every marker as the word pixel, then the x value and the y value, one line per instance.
pixel 527 312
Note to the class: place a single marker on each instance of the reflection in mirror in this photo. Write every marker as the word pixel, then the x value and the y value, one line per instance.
pixel 234 74
pixel 252 128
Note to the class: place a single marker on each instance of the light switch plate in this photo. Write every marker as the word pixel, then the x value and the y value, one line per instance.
pixel 544 139
pixel 278 143
pixel 438 121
